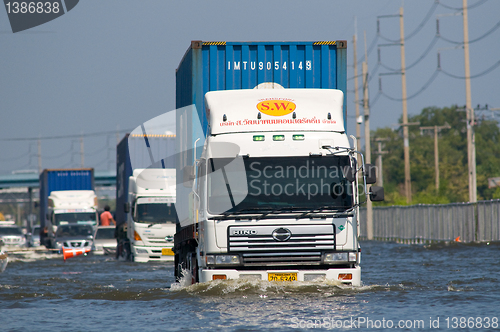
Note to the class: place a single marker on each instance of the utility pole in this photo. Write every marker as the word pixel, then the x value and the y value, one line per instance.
pixel 436 129
pixel 356 93
pixel 81 151
pixel 405 110
pixel 380 175
pixel 39 156
pixel 366 108
pixel 471 140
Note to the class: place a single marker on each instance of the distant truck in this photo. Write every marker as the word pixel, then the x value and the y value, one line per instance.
pixel 66 196
pixel 275 190
pixel 145 199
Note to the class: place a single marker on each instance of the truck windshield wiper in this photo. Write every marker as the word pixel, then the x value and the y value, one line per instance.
pixel 242 211
pixel 288 208
pixel 318 210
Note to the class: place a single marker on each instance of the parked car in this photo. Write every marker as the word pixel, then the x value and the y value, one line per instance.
pixel 11 235
pixel 105 241
pixel 74 236
pixel 34 237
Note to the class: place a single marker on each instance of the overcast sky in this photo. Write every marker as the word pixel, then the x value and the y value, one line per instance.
pixel 107 66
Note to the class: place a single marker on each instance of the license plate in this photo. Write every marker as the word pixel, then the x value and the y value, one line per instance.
pixel 167 252
pixel 282 276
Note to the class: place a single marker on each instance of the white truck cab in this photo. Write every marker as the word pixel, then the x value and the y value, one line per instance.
pixel 275 192
pixel 152 218
pixel 70 207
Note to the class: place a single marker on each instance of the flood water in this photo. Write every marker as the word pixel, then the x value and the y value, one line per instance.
pixel 416 287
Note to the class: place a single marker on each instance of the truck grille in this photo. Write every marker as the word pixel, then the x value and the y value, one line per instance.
pixel 11 240
pixel 76 244
pixel 276 238
pixel 157 240
pixel 277 259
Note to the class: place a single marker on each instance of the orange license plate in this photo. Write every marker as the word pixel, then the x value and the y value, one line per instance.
pixel 282 276
pixel 167 252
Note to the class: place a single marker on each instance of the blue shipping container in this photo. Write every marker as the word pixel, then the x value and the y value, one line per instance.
pixel 140 151
pixel 211 66
pixel 62 179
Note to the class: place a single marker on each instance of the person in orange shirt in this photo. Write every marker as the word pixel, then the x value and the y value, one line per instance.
pixel 107 217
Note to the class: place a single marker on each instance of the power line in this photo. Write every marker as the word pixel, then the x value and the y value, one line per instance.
pixel 104 133
pixel 424 54
pixel 487 71
pixel 477 4
pixel 422 89
pixel 496 26
pixel 414 32
pixel 424 21
pixel 15 158
pixel 58 156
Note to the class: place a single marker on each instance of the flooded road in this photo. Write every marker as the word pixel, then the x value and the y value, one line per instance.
pixel 414 287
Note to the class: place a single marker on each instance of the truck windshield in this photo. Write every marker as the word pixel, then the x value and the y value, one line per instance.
pixel 74 230
pixel 10 231
pixel 157 213
pixel 75 217
pixel 279 183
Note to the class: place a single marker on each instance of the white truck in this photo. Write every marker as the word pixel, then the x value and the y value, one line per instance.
pixel 70 207
pixel 275 193
pixel 151 215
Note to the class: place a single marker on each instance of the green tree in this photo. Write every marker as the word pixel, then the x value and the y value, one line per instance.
pixel 453 166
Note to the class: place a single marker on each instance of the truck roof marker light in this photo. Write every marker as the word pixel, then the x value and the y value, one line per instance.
pixel 278 137
pixel 259 138
pixel 298 137
pixel 219 277
pixel 329 116
pixel 224 118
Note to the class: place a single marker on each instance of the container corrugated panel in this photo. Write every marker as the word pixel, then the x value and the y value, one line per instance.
pixel 152 151
pixel 139 151
pixel 211 66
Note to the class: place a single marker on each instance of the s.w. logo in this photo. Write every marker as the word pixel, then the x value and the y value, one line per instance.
pixel 27 14
pixel 276 107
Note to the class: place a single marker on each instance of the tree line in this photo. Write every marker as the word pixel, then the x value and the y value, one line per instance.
pixel 453 167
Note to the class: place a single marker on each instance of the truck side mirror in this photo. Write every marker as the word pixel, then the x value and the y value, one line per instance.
pixel 376 194
pixel 370 173
pixel 126 207
pixel 350 173
pixel 188 176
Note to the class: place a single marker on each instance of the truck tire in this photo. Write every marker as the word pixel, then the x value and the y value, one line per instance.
pixel 123 251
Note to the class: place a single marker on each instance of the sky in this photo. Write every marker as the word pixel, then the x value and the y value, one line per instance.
pixel 107 66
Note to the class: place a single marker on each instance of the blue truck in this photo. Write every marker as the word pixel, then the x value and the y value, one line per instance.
pixel 66 196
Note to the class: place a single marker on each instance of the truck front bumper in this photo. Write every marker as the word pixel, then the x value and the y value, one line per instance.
pixel 351 276
pixel 146 254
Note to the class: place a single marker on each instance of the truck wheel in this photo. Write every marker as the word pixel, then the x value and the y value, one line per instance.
pixel 176 268
pixel 194 270
pixel 123 251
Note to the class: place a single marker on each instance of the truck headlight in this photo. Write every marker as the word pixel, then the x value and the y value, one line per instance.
pixel 335 258
pixel 222 259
